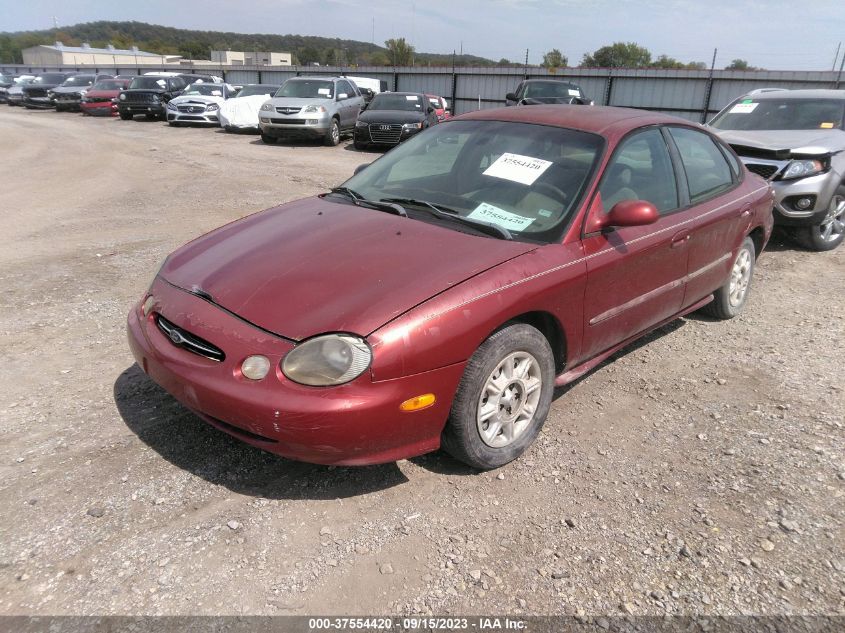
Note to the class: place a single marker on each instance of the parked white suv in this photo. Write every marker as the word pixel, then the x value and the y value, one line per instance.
pixel 311 107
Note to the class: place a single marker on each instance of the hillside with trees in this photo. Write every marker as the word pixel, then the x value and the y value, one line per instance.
pixel 190 44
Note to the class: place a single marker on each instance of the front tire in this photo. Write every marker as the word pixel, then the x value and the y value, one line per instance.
pixel 729 300
pixel 333 134
pixel 125 116
pixel 270 140
pixel 830 233
pixel 503 399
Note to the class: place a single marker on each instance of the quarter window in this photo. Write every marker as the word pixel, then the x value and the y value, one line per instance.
pixel 706 167
pixel 641 170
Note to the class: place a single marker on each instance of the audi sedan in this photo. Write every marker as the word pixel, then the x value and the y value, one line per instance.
pixel 438 297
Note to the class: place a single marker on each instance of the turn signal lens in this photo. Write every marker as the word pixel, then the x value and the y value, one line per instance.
pixel 255 367
pixel 419 402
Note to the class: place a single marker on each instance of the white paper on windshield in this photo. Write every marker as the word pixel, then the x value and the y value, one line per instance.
pixel 411 98
pixel 518 168
pixel 216 93
pixel 324 91
pixel 743 108
pixel 494 215
pixel 574 93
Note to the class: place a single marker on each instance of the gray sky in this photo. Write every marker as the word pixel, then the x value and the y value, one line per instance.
pixel 774 34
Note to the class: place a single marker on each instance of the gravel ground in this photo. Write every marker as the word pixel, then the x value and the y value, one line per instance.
pixel 701 471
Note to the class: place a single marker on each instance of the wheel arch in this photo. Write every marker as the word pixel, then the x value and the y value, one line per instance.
pixel 550 327
pixel 758 237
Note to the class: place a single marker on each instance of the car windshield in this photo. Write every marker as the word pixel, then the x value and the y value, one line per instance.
pixel 782 114
pixel 49 78
pixel 148 83
pixel 109 85
pixel 551 90
pixel 409 103
pixel 251 91
pixel 526 178
pixel 79 80
pixel 307 89
pixel 208 90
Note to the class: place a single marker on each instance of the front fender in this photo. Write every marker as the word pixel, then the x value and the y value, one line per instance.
pixel 448 328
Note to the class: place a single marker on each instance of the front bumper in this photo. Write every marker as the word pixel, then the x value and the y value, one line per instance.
pixel 141 108
pixel 67 102
pixel 281 126
pixel 99 108
pixel 199 117
pixel 353 424
pixel 820 188
pixel 38 102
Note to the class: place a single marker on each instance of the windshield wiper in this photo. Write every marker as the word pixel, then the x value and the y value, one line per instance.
pixel 360 201
pixel 451 214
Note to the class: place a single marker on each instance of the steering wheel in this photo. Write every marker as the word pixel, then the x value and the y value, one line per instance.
pixel 557 194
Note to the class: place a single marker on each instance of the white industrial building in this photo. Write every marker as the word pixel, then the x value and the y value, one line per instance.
pixel 250 58
pixel 58 54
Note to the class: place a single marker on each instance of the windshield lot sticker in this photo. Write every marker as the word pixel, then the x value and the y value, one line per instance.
pixel 411 98
pixel 743 108
pixel 494 215
pixel 518 168
pixel 324 91
pixel 574 93
pixel 826 126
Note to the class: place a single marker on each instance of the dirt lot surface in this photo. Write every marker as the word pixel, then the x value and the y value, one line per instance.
pixel 699 472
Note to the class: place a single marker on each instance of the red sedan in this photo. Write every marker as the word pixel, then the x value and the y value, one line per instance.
pixel 101 100
pixel 440 295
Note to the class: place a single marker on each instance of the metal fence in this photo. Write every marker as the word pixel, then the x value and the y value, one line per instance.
pixel 692 94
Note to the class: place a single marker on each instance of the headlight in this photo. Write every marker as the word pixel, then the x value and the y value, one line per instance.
pixel 155 99
pixel 212 107
pixel 51 94
pixel 313 108
pixel 412 126
pixel 331 359
pixel 361 124
pixel 170 105
pixel 803 168
pixel 122 97
pixel 267 107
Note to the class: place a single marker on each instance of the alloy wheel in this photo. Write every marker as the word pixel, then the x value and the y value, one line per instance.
pixel 833 224
pixel 740 277
pixel 509 399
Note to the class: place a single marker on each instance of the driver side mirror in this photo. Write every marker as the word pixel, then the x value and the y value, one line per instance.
pixel 631 213
pixel 511 97
pixel 430 110
pixel 361 168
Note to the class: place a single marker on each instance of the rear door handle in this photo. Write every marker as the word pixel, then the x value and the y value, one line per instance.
pixel 680 239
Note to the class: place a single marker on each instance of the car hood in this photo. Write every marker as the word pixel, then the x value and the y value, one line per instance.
pixel 391 116
pixel 40 87
pixel 102 93
pixel 293 102
pixel 206 99
pixel 794 141
pixel 70 89
pixel 317 266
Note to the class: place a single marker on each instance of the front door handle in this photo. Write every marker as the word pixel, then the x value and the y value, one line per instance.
pixel 746 212
pixel 680 239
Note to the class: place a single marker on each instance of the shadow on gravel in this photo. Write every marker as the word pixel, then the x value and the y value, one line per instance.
pixel 189 443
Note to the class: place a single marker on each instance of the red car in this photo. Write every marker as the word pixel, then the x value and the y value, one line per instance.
pixel 440 295
pixel 440 106
pixel 101 100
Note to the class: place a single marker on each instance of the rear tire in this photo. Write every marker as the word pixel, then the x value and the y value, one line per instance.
pixel 830 233
pixel 270 140
pixel 729 300
pixel 503 399
pixel 333 134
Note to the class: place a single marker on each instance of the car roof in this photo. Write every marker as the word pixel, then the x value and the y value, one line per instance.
pixel 548 80
pixel 799 94
pixel 596 119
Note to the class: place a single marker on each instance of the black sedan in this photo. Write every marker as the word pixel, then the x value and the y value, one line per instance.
pixel 392 117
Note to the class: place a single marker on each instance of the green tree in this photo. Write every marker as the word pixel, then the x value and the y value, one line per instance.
pixel 399 51
pixel 740 64
pixel 504 62
pixel 618 55
pixel 307 55
pixel 554 59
